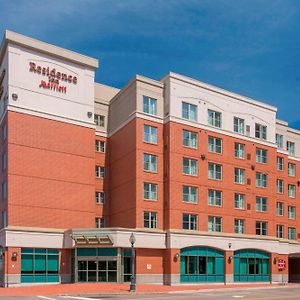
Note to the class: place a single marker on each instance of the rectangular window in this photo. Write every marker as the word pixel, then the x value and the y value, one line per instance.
pixel 100 172
pixel 261 155
pixel 239 150
pixel 291 191
pixel 150 191
pixel 214 171
pixel 292 212
pixel 291 233
pixel 149 105
pixel 239 226
pixel 214 118
pixel 99 197
pixel 279 163
pixel 189 166
pixel 189 221
pixel 214 197
pixel 239 125
pixel 261 204
pixel 261 228
pixel 291 169
pixel 150 134
pixel 261 179
pixel 189 111
pixel 100 146
pixel 239 201
pixel 214 144
pixel 279 209
pixel 290 147
pixel 150 162
pixel 189 138
pixel 239 175
pixel 279 140
pixel 99 222
pixel 4 190
pixel 4 133
pixel 260 131
pixel 214 224
pixel 4 218
pixel 99 120
pixel 279 231
pixel 189 194
pixel 4 161
pixel 279 186
pixel 150 219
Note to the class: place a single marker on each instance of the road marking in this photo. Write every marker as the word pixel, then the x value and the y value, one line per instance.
pixel 79 298
pixel 238 296
pixel 47 298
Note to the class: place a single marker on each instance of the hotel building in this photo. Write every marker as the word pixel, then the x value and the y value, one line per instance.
pixel 206 179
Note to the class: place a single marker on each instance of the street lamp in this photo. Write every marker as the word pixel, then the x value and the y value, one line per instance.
pixel 132 279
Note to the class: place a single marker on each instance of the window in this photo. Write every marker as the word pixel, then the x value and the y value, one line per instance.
pixel 150 134
pixel 189 166
pixel 214 144
pixel 4 133
pixel 239 226
pixel 99 197
pixel 279 186
pixel 239 150
pixel 261 204
pixel 4 218
pixel 189 194
pixel 189 111
pixel 239 125
pixel 291 169
pixel 4 190
pixel 150 162
pixel 100 146
pixel 99 120
pixel 261 155
pixel 214 171
pixel 4 161
pixel 279 209
pixel 290 147
pixel 189 138
pixel 261 228
pixel 214 198
pixel 261 179
pixel 189 221
pixel 214 118
pixel 99 222
pixel 149 105
pixel 214 224
pixel 279 140
pixel 239 175
pixel 239 201
pixel 291 233
pixel 150 191
pixel 150 219
pixel 100 172
pixel 260 131
pixel 279 231
pixel 292 212
pixel 279 163
pixel 291 191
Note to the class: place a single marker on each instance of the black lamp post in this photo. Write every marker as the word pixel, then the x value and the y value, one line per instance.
pixel 132 279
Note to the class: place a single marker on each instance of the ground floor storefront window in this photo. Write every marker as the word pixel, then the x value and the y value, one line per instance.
pixel 201 264
pixel 251 265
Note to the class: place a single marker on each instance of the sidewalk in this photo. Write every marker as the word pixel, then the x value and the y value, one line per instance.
pixel 107 288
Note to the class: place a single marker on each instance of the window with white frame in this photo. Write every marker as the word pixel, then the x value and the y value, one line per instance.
pixel 214 171
pixel 279 209
pixel 150 105
pixel 279 163
pixel 279 231
pixel 189 194
pixel 100 197
pixel 214 118
pixel 239 150
pixel 291 169
pixel 260 131
pixel 290 147
pixel 214 144
pixel 292 212
pixel 214 197
pixel 261 155
pixel 100 146
pixel 100 222
pixel 99 120
pixel 261 228
pixel 150 219
pixel 239 125
pixel 150 191
pixel 100 171
pixel 279 140
pixel 291 191
pixel 261 204
pixel 150 162
pixel 239 201
pixel 279 186
pixel 189 221
pixel 189 166
pixel 291 233
pixel 150 134
pixel 189 111
pixel 239 175
pixel 214 224
pixel 189 138
pixel 261 179
pixel 239 226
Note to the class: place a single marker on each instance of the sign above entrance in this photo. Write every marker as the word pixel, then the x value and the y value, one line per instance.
pixel 281 264
pixel 92 239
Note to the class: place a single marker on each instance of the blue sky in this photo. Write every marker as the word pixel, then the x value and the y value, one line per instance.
pixel 251 47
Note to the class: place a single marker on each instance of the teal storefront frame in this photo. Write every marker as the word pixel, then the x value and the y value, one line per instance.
pixel 251 265
pixel 201 264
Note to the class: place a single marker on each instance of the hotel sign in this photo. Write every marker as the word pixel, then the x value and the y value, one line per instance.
pixel 56 80
pixel 1 83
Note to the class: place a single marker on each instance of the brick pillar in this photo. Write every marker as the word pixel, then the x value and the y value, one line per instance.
pixel 65 266
pixel 172 266
pixel 276 275
pixel 12 266
pixel 229 264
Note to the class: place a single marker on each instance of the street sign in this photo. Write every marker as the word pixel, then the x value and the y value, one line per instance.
pixel 281 264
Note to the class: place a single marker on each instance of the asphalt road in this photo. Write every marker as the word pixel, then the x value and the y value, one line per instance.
pixel 277 293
